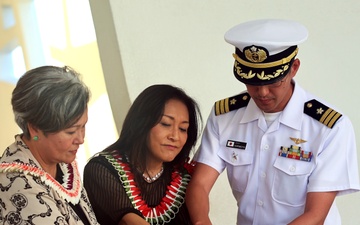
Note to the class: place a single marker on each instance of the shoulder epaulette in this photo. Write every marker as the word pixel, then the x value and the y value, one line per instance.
pixel 231 103
pixel 321 112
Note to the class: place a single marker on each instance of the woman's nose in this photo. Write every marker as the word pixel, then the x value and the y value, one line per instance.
pixel 80 137
pixel 174 134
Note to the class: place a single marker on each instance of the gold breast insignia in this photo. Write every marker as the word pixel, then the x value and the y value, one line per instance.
pixel 297 140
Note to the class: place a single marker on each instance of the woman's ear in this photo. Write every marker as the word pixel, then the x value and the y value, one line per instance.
pixel 33 131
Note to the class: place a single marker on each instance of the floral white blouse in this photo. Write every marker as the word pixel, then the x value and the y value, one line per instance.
pixel 29 195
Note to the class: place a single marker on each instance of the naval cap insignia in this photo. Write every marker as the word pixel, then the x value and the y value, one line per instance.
pixel 255 54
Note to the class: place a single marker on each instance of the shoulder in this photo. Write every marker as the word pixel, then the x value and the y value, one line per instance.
pixel 321 112
pixel 107 155
pixel 231 103
pixel 103 161
pixel 101 165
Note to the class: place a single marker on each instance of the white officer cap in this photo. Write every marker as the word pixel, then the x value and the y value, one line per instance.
pixel 265 49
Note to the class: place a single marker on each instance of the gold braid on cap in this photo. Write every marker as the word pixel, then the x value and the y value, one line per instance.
pixel 266 65
pixel 262 75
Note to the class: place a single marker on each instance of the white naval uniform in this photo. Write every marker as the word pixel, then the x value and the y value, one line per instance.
pixel 270 189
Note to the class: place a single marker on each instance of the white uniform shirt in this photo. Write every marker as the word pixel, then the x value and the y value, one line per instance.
pixel 271 189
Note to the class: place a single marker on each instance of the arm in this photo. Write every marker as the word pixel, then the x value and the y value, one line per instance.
pixel 197 194
pixel 132 219
pixel 335 169
pixel 316 208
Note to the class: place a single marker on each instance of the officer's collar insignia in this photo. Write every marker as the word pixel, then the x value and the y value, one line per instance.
pixel 297 140
pixel 234 157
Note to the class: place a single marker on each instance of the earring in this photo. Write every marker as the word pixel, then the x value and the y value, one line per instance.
pixel 35 138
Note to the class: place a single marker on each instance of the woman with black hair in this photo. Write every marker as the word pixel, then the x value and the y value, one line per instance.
pixel 142 177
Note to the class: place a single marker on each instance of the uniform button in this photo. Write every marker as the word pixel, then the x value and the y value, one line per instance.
pixel 266 147
pixel 260 203
pixel 292 169
pixel 263 175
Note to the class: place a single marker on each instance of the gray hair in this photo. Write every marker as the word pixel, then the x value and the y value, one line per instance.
pixel 50 98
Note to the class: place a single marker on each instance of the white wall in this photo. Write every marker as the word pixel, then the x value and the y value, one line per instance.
pixel 181 43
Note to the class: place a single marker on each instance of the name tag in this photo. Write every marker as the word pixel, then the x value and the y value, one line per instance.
pixel 236 144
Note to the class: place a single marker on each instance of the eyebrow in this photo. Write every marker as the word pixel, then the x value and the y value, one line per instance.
pixel 171 117
pixel 76 125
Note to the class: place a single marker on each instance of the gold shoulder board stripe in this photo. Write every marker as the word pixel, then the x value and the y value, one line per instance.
pixel 321 112
pixel 231 103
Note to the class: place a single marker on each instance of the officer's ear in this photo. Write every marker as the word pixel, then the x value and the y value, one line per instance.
pixel 295 65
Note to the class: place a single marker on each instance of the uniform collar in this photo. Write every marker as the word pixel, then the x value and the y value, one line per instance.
pixel 252 112
pixel 291 114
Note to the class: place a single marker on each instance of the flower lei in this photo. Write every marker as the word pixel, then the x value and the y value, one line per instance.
pixel 69 190
pixel 170 203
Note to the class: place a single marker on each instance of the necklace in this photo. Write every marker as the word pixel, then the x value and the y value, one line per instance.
pixel 170 204
pixel 150 179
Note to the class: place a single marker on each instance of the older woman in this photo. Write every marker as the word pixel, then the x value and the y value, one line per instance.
pixel 142 177
pixel 39 179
